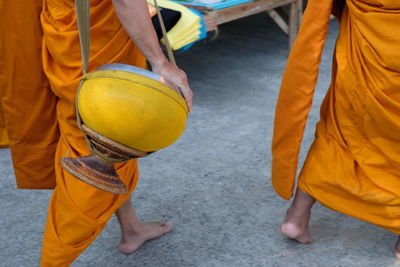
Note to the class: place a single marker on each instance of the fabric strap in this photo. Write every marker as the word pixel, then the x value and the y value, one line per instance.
pixel 164 32
pixel 83 17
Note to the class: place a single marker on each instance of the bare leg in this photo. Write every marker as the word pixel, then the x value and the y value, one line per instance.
pixel 397 249
pixel 133 232
pixel 296 222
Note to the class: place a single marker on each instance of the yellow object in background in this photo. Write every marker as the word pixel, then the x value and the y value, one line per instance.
pixel 186 30
pixel 131 109
pixel 188 40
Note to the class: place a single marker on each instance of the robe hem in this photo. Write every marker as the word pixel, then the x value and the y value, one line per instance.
pixel 42 186
pixel 302 186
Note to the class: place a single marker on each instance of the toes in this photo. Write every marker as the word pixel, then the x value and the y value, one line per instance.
pixel 157 223
pixel 156 229
pixel 167 226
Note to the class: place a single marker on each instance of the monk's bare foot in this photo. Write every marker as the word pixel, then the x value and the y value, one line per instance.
pixel 296 226
pixel 134 239
pixel 133 232
pixel 296 222
pixel 397 249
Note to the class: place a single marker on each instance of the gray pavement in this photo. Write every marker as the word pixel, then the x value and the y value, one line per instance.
pixel 214 183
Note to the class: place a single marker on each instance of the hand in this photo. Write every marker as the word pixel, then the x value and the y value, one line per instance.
pixel 135 18
pixel 175 78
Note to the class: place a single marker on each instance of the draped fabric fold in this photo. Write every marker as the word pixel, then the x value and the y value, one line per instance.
pixel 28 103
pixel 296 95
pixel 353 165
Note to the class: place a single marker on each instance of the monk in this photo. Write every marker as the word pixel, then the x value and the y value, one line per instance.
pixel 353 165
pixel 41 69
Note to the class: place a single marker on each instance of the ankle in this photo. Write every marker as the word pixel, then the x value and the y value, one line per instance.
pixel 298 210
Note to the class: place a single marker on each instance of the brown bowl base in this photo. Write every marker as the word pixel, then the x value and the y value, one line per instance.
pixel 95 172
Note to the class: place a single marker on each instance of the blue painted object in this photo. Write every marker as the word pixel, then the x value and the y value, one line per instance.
pixel 203 30
pixel 222 5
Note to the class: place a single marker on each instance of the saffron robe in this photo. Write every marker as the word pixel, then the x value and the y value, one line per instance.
pixel 353 165
pixel 41 69
pixel 28 103
pixel 77 211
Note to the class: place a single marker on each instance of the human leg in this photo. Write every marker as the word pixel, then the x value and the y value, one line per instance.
pixel 78 212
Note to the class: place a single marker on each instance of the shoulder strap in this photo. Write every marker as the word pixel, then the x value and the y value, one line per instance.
pixel 164 32
pixel 83 17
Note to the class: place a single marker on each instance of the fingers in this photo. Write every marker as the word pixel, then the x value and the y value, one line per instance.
pixel 184 87
pixel 179 90
pixel 181 84
pixel 168 83
pixel 177 79
pixel 187 94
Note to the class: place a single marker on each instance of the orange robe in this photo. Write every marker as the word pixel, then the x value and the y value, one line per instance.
pixel 28 102
pixel 353 165
pixel 41 71
pixel 77 211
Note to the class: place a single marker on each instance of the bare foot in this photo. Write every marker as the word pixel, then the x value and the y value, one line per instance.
pixel 132 240
pixel 397 249
pixel 133 232
pixel 296 227
pixel 296 222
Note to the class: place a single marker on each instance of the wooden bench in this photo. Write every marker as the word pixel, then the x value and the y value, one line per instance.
pixel 290 26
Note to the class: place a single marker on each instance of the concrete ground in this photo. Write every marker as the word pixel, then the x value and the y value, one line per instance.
pixel 214 183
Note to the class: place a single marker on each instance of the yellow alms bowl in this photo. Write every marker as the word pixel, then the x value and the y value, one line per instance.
pixel 132 109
